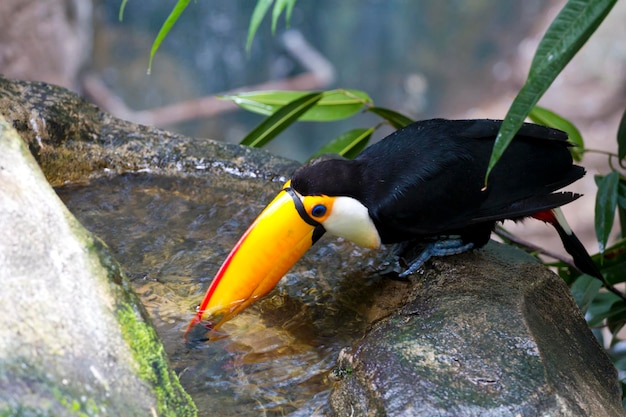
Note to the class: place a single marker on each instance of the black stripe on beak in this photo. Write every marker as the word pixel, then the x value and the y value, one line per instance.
pixel 300 208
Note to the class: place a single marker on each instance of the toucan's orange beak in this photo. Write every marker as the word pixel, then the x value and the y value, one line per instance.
pixel 272 244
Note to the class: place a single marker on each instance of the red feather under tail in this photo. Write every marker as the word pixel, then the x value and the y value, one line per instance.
pixel 572 244
pixel 574 247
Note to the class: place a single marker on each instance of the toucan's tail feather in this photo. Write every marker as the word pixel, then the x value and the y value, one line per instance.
pixel 574 246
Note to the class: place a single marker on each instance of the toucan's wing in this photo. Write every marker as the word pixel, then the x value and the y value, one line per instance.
pixel 527 207
pixel 428 178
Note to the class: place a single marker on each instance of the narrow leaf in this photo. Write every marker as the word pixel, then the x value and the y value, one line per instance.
pixel 621 196
pixel 621 205
pixel 566 35
pixel 289 12
pixel 584 290
pixel 334 105
pixel 165 29
pixel 548 118
pixel 621 138
pixel 280 120
pixel 260 10
pixel 606 202
pixel 616 317
pixel 121 12
pixel 616 272
pixel 600 308
pixel 396 119
pixel 279 7
pixel 614 263
pixel 348 144
pixel 619 361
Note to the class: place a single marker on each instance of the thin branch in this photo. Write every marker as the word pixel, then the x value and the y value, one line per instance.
pixel 320 73
pixel 610 155
pixel 504 234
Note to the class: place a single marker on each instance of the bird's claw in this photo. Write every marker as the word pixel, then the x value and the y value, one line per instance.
pixel 444 247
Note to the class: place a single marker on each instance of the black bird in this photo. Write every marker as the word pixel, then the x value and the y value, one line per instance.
pixel 422 184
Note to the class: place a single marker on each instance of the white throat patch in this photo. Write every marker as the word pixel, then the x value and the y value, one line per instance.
pixel 350 219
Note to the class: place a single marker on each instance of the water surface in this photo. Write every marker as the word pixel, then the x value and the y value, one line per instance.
pixel 171 235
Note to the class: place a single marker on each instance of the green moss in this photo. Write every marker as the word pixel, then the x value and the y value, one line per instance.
pixel 36 393
pixel 86 408
pixel 21 411
pixel 142 339
pixel 64 165
pixel 150 356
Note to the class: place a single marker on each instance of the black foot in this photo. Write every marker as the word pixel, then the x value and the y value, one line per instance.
pixel 391 268
pixel 445 247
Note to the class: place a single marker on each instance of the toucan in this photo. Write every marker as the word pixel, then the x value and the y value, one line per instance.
pixel 421 185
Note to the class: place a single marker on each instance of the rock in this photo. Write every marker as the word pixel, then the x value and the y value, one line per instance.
pixel 74 340
pixel 489 333
pixel 74 141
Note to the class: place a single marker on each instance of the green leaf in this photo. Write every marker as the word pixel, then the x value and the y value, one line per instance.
pixel 621 137
pixel 262 6
pixel 621 196
pixel 614 265
pixel 606 202
pixel 348 144
pixel 394 118
pixel 280 120
pixel 548 118
pixel 289 11
pixel 619 360
pixel 279 7
pixel 121 12
pixel 600 308
pixel 334 105
pixel 616 317
pixel 165 29
pixel 566 35
pixel 584 290
pixel 621 205
pixel 615 273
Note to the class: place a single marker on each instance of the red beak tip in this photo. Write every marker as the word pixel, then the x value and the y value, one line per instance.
pixel 208 325
pixel 192 324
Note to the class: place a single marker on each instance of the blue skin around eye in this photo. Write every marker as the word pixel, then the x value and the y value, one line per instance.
pixel 318 211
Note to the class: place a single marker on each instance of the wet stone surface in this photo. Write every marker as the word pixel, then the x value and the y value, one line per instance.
pixel 489 333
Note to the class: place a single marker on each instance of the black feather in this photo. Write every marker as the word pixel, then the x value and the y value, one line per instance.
pixel 427 179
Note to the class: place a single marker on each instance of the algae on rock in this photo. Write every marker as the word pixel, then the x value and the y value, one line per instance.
pixel 74 339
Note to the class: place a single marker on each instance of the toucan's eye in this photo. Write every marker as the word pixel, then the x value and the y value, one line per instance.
pixel 318 210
